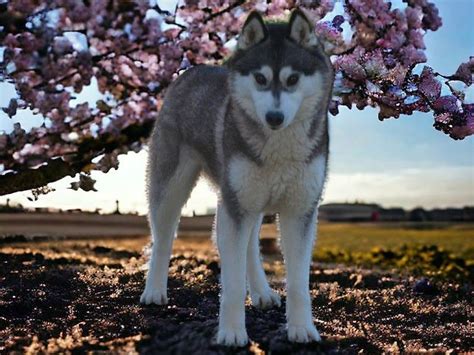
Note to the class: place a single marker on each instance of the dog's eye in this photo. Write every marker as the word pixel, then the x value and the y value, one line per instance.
pixel 292 80
pixel 260 79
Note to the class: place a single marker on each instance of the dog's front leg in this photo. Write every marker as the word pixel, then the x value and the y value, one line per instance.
pixel 297 236
pixel 232 241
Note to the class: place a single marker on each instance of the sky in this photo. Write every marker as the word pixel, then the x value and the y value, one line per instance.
pixel 398 162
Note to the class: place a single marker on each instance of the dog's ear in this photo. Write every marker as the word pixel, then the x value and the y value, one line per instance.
pixel 253 32
pixel 301 30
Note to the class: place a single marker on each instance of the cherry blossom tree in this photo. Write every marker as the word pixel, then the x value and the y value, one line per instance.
pixel 132 50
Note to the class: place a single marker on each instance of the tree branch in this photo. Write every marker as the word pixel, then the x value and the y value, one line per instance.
pixel 56 169
pixel 227 9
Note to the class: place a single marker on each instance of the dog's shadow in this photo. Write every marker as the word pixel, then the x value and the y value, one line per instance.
pixel 191 327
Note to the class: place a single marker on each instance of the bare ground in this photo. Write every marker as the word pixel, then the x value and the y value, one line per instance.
pixel 83 296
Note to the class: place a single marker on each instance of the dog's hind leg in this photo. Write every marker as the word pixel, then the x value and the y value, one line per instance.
pixel 172 173
pixel 260 292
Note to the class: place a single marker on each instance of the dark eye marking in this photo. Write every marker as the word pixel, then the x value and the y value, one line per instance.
pixel 260 79
pixel 292 80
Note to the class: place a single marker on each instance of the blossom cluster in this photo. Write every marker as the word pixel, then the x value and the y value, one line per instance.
pixel 133 50
pixel 379 66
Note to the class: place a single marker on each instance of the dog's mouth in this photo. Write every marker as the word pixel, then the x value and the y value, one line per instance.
pixel 277 127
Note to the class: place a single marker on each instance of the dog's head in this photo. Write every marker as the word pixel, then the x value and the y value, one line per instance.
pixel 280 72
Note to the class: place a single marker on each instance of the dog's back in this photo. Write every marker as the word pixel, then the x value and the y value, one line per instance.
pixel 192 105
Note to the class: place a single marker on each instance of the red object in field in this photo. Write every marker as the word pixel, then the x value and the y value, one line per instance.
pixel 375 216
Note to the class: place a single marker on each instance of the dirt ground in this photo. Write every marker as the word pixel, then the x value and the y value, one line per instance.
pixel 83 295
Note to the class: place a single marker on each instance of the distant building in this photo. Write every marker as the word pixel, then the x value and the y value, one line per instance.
pixel 9 208
pixel 393 214
pixel 349 212
pixel 419 215
pixel 465 214
pixel 469 213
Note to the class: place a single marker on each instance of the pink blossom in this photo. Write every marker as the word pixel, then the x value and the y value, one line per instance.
pixel 429 86
pixel 134 58
pixel 465 72
pixel 447 103
pixel 351 67
pixel 374 64
pixel 411 56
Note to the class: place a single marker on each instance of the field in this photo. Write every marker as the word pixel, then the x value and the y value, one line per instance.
pixel 362 237
pixel 82 295
pixel 439 250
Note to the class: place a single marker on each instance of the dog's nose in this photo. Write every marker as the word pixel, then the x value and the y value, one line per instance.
pixel 274 119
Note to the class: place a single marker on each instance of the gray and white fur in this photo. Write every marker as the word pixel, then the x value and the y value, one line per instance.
pixel 257 127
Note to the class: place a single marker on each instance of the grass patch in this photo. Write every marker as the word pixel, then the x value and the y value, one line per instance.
pixel 433 249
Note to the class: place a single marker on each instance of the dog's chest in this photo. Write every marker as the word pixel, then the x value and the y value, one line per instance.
pixel 277 185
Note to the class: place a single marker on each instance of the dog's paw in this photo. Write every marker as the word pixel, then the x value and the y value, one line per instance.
pixel 232 336
pixel 265 300
pixel 150 296
pixel 303 333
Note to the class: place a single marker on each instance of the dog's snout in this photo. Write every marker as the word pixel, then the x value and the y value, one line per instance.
pixel 274 119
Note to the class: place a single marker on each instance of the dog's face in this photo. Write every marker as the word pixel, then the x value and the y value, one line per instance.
pixel 279 73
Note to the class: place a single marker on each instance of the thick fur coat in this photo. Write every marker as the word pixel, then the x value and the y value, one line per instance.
pixel 257 128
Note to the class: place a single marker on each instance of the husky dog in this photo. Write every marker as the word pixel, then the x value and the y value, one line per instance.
pixel 257 128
